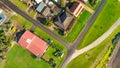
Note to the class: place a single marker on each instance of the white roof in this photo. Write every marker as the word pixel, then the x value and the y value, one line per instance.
pixel 38 1
pixel 50 3
pixel 1 10
pixel 56 0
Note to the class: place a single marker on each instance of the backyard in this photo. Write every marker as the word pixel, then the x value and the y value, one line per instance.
pixel 109 14
pixel 89 57
pixel 21 58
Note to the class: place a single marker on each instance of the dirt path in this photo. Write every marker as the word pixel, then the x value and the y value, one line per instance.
pixel 95 43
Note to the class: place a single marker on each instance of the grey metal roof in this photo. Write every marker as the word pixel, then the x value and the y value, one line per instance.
pixel 41 7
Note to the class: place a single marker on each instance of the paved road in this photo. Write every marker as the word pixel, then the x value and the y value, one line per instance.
pixel 36 23
pixel 84 31
pixel 96 42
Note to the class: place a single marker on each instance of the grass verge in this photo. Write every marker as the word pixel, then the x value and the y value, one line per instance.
pixel 85 60
pixel 104 21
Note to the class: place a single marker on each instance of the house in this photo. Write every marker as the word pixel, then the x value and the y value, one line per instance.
pixel 63 20
pixel 56 9
pixel 33 43
pixel 38 1
pixel 76 8
pixel 43 9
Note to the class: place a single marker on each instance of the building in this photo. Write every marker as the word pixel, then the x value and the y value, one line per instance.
pixel 38 1
pixel 76 8
pixel 63 20
pixel 33 43
pixel 2 17
pixel 43 9
pixel 56 9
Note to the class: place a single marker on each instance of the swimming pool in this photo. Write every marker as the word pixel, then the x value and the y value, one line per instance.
pixel 1 16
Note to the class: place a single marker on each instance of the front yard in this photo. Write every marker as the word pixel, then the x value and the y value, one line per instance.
pixel 77 27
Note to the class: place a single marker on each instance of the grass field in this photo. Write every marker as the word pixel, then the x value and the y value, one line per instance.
pixel 79 25
pixel 21 58
pixel 22 21
pixel 85 60
pixel 107 17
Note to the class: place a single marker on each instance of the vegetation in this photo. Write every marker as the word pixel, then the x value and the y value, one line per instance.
pixel 104 60
pixel 72 0
pixel 21 58
pixel 92 2
pixel 89 57
pixel 116 39
pixel 104 21
pixel 95 6
pixel 5 40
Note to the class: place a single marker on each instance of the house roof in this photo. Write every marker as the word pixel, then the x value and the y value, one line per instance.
pixel 41 7
pixel 56 9
pixel 38 1
pixel 76 8
pixel 63 20
pixel 46 11
pixel 32 43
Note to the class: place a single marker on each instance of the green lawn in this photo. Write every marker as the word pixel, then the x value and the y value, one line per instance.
pixel 79 25
pixel 21 58
pixel 22 21
pixel 87 59
pixel 96 5
pixel 22 6
pixel 107 17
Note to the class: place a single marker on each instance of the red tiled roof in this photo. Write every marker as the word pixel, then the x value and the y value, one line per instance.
pixel 74 6
pixel 32 43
